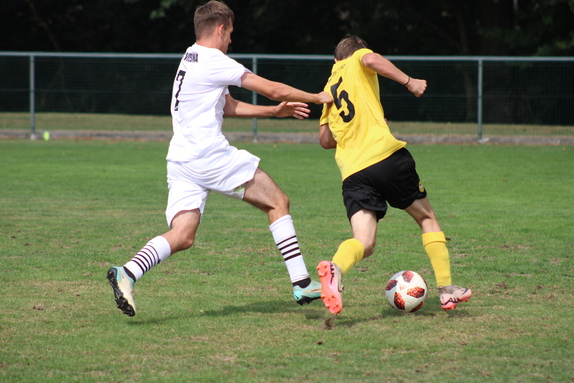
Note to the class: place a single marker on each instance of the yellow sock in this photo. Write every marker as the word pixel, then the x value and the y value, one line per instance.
pixel 350 252
pixel 435 247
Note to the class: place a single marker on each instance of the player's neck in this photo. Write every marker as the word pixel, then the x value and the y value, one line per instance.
pixel 206 44
pixel 213 40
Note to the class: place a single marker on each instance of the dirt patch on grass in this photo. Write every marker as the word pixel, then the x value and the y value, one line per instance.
pixel 296 138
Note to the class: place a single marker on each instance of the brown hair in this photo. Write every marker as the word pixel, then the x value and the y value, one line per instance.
pixel 349 45
pixel 211 15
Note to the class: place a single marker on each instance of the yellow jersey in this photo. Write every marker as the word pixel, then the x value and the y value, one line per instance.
pixel 356 117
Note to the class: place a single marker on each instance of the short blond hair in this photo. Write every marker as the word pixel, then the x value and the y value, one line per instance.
pixel 211 15
pixel 349 45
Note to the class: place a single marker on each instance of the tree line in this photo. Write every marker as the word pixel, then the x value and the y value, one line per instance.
pixel 391 27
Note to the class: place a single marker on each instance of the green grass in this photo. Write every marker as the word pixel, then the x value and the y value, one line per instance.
pixel 112 122
pixel 223 310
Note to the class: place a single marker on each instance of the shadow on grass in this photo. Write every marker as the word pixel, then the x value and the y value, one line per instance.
pixel 314 311
pixel 263 307
pixel 332 321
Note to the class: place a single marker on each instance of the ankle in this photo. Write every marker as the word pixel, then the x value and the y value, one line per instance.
pixel 303 283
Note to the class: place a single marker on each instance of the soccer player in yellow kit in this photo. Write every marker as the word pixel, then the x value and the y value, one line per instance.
pixel 376 169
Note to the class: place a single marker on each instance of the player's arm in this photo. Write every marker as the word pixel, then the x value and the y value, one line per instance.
pixel 385 68
pixel 281 92
pixel 326 138
pixel 236 108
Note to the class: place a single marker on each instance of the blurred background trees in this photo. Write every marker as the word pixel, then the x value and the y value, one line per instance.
pixel 391 27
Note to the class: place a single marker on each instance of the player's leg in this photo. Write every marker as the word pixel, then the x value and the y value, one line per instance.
pixel 433 238
pixel 365 206
pixel 180 237
pixel 263 193
pixel 362 245
pixel 349 253
pixel 434 243
pixel 186 201
pixel 123 278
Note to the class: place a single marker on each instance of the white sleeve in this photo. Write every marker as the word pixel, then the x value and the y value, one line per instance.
pixel 226 71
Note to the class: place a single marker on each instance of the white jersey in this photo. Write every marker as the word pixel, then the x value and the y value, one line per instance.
pixel 198 98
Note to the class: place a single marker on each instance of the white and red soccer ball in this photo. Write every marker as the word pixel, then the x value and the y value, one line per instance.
pixel 406 291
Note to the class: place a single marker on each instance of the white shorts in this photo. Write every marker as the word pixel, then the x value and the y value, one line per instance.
pixel 189 185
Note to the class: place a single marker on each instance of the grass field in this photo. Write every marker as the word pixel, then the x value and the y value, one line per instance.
pixel 223 310
pixel 111 122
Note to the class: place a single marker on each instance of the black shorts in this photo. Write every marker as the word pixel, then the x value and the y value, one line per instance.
pixel 393 180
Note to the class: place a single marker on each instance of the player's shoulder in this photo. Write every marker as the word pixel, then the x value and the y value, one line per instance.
pixel 360 53
pixel 355 61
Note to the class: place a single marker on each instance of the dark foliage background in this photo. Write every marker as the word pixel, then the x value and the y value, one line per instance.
pixel 392 27
pixel 513 91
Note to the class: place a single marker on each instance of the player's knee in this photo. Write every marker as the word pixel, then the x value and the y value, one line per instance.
pixel 282 201
pixel 286 201
pixel 183 243
pixel 429 223
pixel 187 243
pixel 369 247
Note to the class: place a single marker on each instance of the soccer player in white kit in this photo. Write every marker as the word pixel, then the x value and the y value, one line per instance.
pixel 200 158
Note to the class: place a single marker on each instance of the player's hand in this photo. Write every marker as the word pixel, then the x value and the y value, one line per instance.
pixel 298 110
pixel 416 86
pixel 324 98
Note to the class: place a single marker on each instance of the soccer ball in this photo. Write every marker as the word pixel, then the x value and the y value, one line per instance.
pixel 406 291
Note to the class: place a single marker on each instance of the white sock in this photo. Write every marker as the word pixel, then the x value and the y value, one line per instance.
pixel 155 251
pixel 286 240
